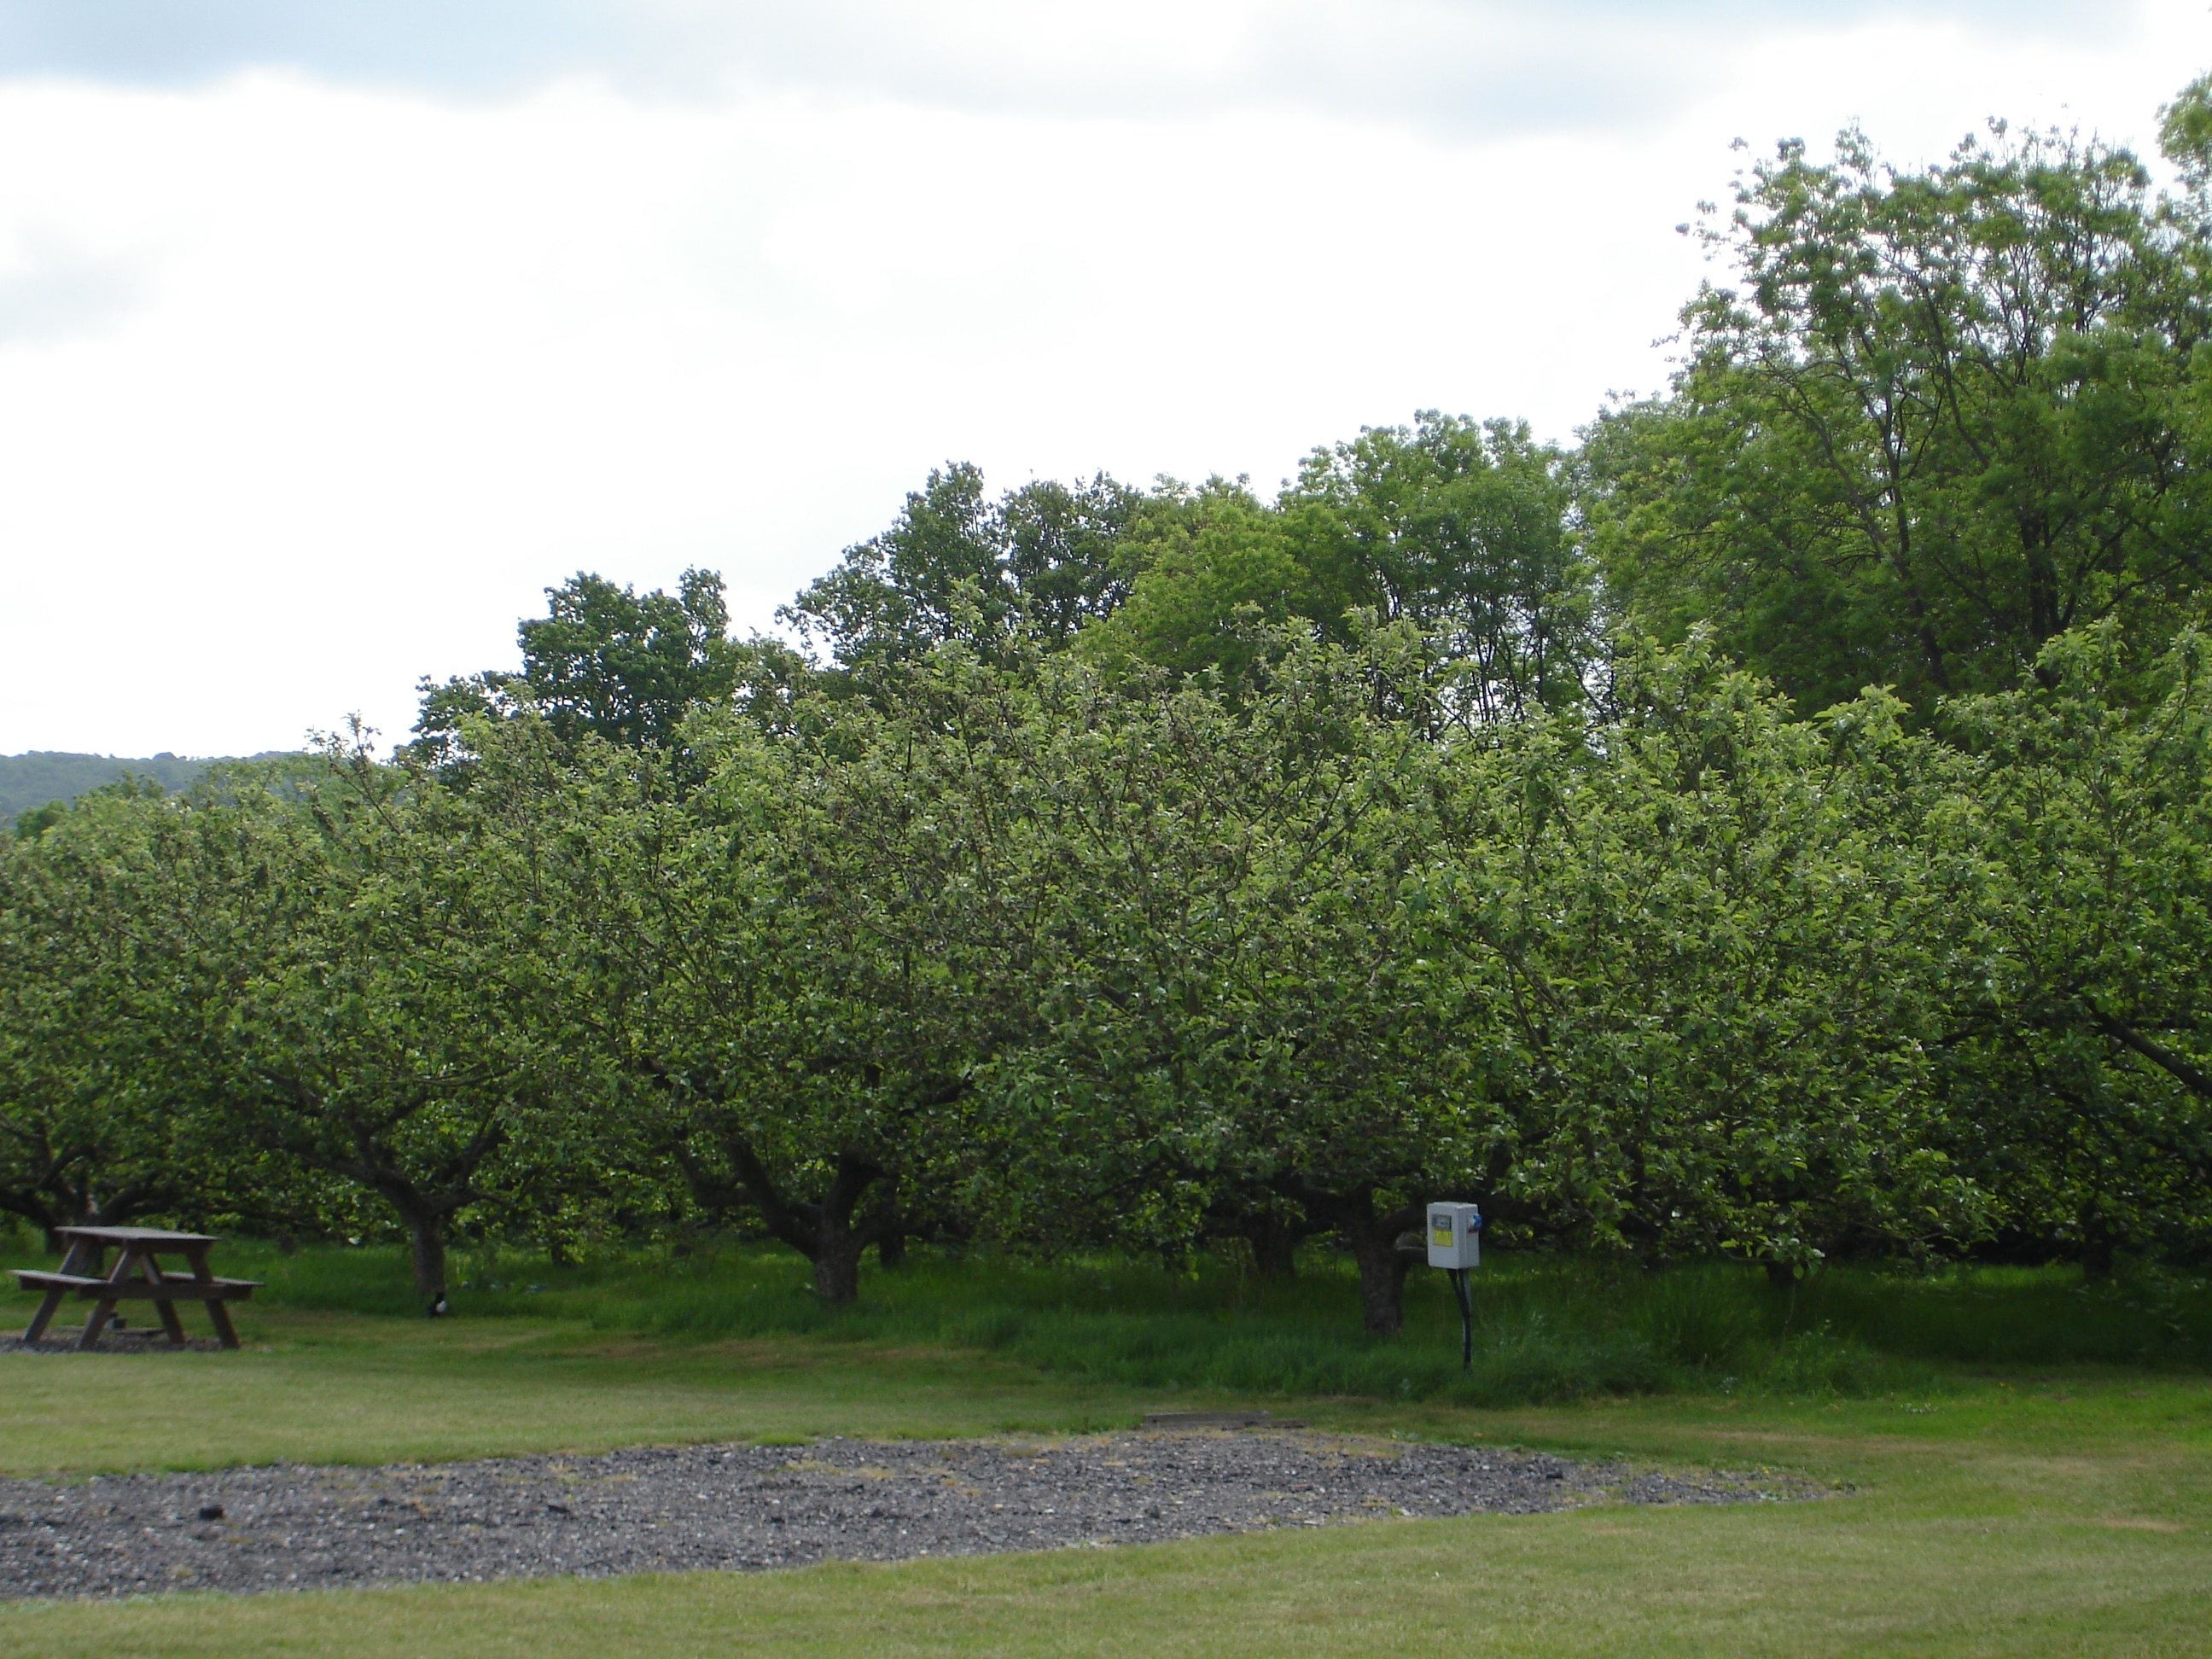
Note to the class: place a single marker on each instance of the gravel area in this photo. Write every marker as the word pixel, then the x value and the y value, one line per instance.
pixel 748 1507
pixel 60 1339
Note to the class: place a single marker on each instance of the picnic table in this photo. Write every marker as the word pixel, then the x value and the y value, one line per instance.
pixel 138 1276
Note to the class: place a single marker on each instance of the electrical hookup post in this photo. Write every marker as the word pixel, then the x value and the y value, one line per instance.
pixel 1456 1245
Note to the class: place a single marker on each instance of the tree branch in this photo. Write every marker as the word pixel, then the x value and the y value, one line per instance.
pixel 2197 1081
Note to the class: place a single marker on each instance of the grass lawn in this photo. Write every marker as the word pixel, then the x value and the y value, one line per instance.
pixel 2004 1507
pixel 353 1389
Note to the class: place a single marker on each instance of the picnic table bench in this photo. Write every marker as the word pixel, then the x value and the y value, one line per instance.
pixel 137 1276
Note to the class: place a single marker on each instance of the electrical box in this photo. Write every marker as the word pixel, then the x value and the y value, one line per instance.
pixel 1455 1236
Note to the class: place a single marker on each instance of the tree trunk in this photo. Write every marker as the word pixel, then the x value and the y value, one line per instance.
pixel 2097 1258
pixel 1382 1268
pixel 821 1232
pixel 837 1266
pixel 426 1244
pixel 1373 1241
pixel 1274 1245
pixel 424 1205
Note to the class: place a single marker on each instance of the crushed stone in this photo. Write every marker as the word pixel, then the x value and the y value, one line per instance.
pixel 746 1507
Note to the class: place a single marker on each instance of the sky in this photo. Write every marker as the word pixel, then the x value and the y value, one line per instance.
pixel 332 334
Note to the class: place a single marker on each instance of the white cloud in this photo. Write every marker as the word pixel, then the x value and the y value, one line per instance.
pixel 1471 66
pixel 55 291
pixel 355 371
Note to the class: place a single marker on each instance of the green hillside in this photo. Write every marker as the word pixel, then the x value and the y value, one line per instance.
pixel 34 779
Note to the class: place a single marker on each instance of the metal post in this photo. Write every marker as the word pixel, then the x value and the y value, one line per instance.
pixel 1458 1276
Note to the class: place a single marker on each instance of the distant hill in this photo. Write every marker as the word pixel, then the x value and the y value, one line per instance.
pixel 33 780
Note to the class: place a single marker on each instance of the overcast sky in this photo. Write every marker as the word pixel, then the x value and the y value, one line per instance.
pixel 331 334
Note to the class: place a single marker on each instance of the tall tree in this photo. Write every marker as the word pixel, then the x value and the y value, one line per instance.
pixel 1938 418
pixel 86 1120
pixel 1465 530
pixel 2082 1054
pixel 1237 1001
pixel 603 661
pixel 801 964
pixel 1718 946
pixel 1035 565
pixel 366 987
pixel 1215 574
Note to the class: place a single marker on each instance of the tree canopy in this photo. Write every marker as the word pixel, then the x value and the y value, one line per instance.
pixel 1776 828
pixel 1936 420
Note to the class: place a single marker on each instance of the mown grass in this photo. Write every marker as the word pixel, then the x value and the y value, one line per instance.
pixel 1995 1493
pixel 2065 1511
pixel 1548 1329
pixel 319 1388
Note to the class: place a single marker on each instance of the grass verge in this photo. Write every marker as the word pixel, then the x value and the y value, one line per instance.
pixel 2060 1514
pixel 1989 1506
pixel 1548 1329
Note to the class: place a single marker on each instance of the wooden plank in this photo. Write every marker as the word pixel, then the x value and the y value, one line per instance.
pixel 83 1256
pixel 172 1325
pixel 47 1304
pixel 218 1314
pixel 180 1290
pixel 128 1261
pixel 231 1290
pixel 32 1280
pixel 123 1280
pixel 153 1235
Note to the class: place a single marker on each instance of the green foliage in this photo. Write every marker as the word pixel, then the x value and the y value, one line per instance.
pixel 1939 418
pixel 1240 1014
pixel 1717 945
pixel 1780 833
pixel 797 967
pixel 1034 565
pixel 227 1001
pixel 1075 956
pixel 1215 567
pixel 604 663
pixel 1463 533
pixel 94 1123
pixel 2185 138
pixel 1466 531
pixel 2082 1054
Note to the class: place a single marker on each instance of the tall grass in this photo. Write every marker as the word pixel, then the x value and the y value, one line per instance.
pixel 1547 1329
pixel 2018 1316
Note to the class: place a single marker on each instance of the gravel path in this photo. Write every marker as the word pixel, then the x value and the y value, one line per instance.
pixel 741 1507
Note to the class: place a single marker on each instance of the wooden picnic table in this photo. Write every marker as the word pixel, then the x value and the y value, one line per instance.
pixel 137 1276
